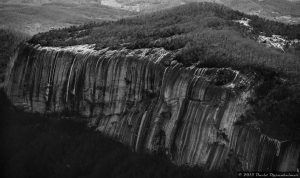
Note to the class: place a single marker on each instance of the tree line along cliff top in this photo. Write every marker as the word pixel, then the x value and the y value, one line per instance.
pixel 204 34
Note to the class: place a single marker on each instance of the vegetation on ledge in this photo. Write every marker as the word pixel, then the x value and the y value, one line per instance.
pixel 275 106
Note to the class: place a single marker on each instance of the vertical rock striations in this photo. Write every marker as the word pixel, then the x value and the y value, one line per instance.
pixel 148 101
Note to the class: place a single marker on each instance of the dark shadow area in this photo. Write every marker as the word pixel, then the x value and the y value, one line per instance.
pixel 10 39
pixel 33 145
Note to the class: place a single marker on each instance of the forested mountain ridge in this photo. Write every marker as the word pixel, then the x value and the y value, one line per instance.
pixel 193 83
pixel 211 25
pixel 206 35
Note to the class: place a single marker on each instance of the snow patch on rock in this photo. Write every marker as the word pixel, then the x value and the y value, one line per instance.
pixel 116 4
pixel 244 22
pixel 77 48
pixel 274 41
pixel 277 41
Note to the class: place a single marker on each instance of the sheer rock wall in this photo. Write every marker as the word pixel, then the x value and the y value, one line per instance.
pixel 147 100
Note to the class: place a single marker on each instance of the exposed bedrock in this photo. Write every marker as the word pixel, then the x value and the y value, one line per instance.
pixel 148 101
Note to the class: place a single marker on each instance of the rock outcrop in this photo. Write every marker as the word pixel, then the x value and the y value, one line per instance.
pixel 147 100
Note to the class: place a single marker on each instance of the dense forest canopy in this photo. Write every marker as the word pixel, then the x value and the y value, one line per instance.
pixel 206 28
pixel 205 35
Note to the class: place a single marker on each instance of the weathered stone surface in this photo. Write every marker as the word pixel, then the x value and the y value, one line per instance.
pixel 149 102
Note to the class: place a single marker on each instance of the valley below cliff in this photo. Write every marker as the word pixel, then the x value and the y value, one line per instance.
pixel 36 145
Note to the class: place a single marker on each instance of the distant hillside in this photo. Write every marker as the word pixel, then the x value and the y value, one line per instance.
pixel 34 18
pixel 51 1
pixel 287 11
pixel 280 10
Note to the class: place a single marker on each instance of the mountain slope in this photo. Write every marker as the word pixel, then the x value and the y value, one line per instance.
pixel 33 18
pixel 36 2
pixel 281 10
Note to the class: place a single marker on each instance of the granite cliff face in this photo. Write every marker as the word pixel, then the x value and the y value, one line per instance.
pixel 147 100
